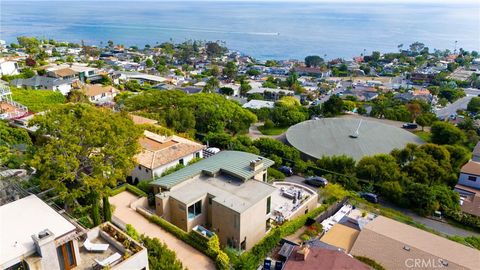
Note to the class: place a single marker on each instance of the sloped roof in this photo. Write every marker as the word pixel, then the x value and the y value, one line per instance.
pixel 234 163
pixel 384 239
pixel 92 90
pixel 160 150
pixel 471 167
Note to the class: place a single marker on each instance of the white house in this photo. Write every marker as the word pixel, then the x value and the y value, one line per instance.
pixel 160 153
pixel 100 94
pixel 33 235
pixel 8 67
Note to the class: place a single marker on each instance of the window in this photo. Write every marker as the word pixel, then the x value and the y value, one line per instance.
pixel 197 155
pixel 269 202
pixel 181 161
pixel 236 221
pixel 66 256
pixel 210 200
pixel 472 178
pixel 194 210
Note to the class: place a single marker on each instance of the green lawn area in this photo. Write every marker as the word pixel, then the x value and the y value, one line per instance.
pixel 424 135
pixel 272 131
pixel 37 100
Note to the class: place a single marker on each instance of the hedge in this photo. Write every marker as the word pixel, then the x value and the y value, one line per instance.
pixel 132 189
pixel 251 259
pixel 210 247
pixel 159 255
pixel 370 262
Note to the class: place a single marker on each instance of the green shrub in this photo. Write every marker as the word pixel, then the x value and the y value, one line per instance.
pixel 222 261
pixel 159 255
pixel 275 174
pixel 173 169
pixel 133 189
pixel 370 262
pixel 38 100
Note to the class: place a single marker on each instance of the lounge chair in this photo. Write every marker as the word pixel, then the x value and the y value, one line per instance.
pixel 94 247
pixel 110 260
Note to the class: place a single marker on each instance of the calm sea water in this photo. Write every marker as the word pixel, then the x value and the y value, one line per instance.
pixel 263 30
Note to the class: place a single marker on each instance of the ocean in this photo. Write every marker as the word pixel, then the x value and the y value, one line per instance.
pixel 264 30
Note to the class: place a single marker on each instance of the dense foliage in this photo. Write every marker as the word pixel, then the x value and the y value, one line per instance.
pixel 81 159
pixel 202 113
pixel 38 100
pixel 13 142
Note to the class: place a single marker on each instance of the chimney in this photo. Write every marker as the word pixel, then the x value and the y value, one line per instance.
pixel 256 164
pixel 44 243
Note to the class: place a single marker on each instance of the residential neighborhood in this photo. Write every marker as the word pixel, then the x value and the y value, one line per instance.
pixel 192 155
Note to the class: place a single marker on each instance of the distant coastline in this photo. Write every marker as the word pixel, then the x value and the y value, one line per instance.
pixel 263 30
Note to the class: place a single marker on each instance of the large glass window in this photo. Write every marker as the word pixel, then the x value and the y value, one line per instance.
pixel 194 210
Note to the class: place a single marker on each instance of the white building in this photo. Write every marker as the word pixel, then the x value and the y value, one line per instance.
pixel 100 94
pixel 8 67
pixel 34 236
pixel 160 153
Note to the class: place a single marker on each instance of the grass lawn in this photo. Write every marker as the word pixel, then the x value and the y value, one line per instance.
pixel 272 131
pixel 37 100
pixel 424 135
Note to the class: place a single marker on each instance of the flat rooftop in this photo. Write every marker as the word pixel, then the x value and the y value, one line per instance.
pixel 21 219
pixel 331 137
pixel 234 163
pixel 226 190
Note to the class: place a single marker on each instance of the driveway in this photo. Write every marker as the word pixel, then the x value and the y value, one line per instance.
pixel 460 104
pixel 190 257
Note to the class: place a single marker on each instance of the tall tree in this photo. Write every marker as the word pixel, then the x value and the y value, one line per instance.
pixel 87 152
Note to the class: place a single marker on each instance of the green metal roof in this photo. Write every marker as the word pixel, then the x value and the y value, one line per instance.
pixel 230 162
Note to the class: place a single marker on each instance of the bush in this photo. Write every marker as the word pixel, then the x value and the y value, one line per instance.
pixel 37 100
pixel 222 261
pixel 275 174
pixel 173 169
pixel 132 189
pixel 370 262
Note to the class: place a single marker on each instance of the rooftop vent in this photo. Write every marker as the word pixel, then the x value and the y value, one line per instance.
pixel 43 234
pixel 407 248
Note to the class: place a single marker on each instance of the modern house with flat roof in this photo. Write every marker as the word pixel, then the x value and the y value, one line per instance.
pixel 399 246
pixel 35 236
pixel 226 193
pixel 159 153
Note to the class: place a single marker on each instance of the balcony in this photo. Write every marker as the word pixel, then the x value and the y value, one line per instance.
pixel 106 246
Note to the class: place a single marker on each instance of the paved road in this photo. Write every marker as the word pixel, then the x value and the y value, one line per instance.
pixel 460 104
pixel 434 224
pixel 190 257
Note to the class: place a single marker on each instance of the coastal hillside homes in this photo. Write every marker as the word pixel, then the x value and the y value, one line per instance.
pixel 398 246
pixel 312 71
pixel 33 235
pixel 44 83
pixel 8 67
pixel 468 185
pixel 100 94
pixel 226 193
pixel 160 153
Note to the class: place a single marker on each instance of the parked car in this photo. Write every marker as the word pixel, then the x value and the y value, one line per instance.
pixel 286 170
pixel 410 126
pixel 370 197
pixel 316 181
